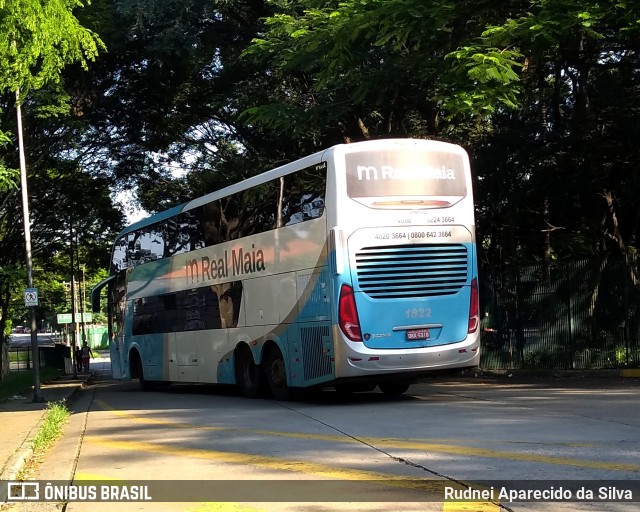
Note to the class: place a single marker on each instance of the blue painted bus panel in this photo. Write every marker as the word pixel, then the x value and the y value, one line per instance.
pixel 446 318
pixel 411 287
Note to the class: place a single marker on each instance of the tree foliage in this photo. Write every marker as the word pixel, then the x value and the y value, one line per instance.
pixel 37 40
pixel 543 94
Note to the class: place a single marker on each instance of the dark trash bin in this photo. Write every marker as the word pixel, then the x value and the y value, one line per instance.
pixel 54 357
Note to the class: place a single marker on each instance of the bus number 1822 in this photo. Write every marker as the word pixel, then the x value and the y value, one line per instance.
pixel 418 313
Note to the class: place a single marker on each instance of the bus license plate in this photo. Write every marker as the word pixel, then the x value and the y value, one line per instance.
pixel 418 334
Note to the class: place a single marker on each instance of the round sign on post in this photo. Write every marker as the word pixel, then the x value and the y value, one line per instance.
pixel 31 297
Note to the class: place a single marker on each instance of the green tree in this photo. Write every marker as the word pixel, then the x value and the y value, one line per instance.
pixel 37 40
pixel 168 93
pixel 543 94
pixel 8 176
pixel 63 194
pixel 559 175
pixel 379 68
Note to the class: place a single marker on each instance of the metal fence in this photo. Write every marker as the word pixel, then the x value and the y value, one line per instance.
pixel 17 354
pixel 20 358
pixel 575 315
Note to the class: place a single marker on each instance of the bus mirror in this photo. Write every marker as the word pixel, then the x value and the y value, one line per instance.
pixel 95 293
pixel 95 301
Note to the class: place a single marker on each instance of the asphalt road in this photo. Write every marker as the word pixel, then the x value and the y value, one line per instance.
pixel 204 448
pixel 24 340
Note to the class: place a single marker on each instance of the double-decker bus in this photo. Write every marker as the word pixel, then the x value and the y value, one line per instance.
pixel 352 268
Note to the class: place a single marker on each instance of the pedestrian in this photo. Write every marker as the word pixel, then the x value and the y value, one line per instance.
pixel 86 353
pixel 78 358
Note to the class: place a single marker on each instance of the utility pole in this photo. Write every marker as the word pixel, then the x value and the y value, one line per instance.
pixel 37 396
pixel 81 295
pixel 82 322
pixel 73 304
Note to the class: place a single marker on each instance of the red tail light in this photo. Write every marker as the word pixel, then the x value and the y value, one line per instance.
pixel 348 314
pixel 474 307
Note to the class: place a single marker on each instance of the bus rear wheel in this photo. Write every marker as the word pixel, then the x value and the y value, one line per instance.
pixel 249 375
pixel 276 373
pixel 393 388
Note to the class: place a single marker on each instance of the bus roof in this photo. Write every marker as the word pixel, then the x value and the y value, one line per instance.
pixel 274 173
pixel 223 192
pixel 152 219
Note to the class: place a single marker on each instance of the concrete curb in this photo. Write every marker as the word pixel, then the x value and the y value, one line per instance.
pixel 22 456
pixel 556 374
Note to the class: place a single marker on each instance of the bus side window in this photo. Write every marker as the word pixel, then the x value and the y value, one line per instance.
pixel 215 227
pixel 303 197
pixel 184 233
pixel 259 208
pixel 119 259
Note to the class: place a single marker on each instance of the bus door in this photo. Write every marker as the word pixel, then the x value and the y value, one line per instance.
pixel 116 300
pixel 174 372
pixel 116 350
pixel 117 304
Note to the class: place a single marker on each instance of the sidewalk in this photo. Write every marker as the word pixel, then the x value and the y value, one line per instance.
pixel 21 418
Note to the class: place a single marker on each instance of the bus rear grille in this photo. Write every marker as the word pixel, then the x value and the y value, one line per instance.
pixel 389 272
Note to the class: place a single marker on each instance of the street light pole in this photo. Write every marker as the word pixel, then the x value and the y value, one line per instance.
pixel 37 396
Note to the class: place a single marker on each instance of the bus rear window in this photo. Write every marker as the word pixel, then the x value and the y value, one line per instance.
pixel 406 177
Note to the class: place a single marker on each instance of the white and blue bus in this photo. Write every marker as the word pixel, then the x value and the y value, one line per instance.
pixel 352 268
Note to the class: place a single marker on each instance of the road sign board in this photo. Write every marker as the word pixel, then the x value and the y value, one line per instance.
pixel 30 297
pixel 65 318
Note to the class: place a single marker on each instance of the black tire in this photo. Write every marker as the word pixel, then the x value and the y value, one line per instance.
pixel 145 385
pixel 276 373
pixel 393 388
pixel 249 376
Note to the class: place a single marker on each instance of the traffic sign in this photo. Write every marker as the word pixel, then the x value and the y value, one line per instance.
pixel 31 297
pixel 65 318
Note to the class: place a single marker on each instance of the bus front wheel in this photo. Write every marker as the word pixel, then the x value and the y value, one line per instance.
pixel 145 385
pixel 249 375
pixel 276 373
